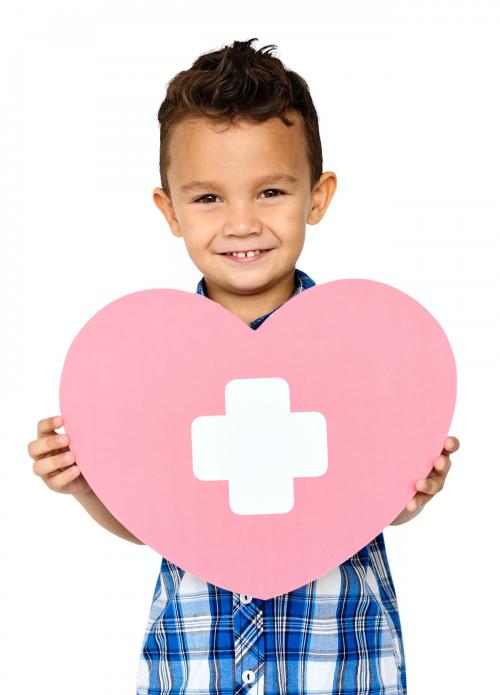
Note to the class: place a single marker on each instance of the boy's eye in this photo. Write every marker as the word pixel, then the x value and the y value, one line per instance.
pixel 273 190
pixel 203 198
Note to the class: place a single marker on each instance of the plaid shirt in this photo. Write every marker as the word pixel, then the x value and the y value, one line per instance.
pixel 338 635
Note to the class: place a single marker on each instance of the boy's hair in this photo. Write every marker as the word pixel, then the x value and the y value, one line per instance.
pixel 239 82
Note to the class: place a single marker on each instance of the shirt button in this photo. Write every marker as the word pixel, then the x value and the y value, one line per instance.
pixel 248 676
pixel 244 598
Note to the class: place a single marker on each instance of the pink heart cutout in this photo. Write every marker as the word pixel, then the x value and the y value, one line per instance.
pixel 367 356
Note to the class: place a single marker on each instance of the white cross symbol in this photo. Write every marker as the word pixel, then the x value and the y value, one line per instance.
pixel 259 446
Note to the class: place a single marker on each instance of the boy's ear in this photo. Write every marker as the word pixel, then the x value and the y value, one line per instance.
pixel 164 204
pixel 321 196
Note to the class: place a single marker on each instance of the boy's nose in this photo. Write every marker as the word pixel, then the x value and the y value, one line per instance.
pixel 241 222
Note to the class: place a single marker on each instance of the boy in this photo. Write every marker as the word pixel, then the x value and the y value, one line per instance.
pixel 241 175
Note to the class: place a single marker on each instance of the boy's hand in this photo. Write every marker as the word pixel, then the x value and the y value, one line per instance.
pixel 429 486
pixel 53 460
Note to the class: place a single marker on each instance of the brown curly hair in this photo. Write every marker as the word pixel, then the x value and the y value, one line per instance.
pixel 239 82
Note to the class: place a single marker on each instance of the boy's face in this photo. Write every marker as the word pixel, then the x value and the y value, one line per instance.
pixel 226 196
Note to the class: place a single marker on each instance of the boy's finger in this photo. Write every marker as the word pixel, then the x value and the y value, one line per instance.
pixel 57 441
pixel 419 500
pixel 442 465
pixel 49 464
pixel 450 444
pixel 430 485
pixel 57 482
pixel 46 445
pixel 48 425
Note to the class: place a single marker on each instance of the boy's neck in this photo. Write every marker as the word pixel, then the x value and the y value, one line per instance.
pixel 249 307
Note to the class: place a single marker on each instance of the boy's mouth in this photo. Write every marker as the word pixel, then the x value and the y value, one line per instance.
pixel 246 256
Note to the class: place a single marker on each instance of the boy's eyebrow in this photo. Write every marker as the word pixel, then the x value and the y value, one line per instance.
pixel 272 178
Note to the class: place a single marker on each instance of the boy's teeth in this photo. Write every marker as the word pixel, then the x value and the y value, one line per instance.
pixel 248 254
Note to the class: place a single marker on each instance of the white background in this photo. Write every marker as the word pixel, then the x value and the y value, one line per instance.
pixel 407 100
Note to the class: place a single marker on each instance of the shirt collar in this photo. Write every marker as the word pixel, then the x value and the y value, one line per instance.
pixel 302 282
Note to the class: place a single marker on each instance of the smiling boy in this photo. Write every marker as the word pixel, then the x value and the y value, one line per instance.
pixel 241 174
pixel 240 193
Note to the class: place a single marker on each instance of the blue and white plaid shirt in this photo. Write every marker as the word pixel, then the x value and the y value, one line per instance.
pixel 338 635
